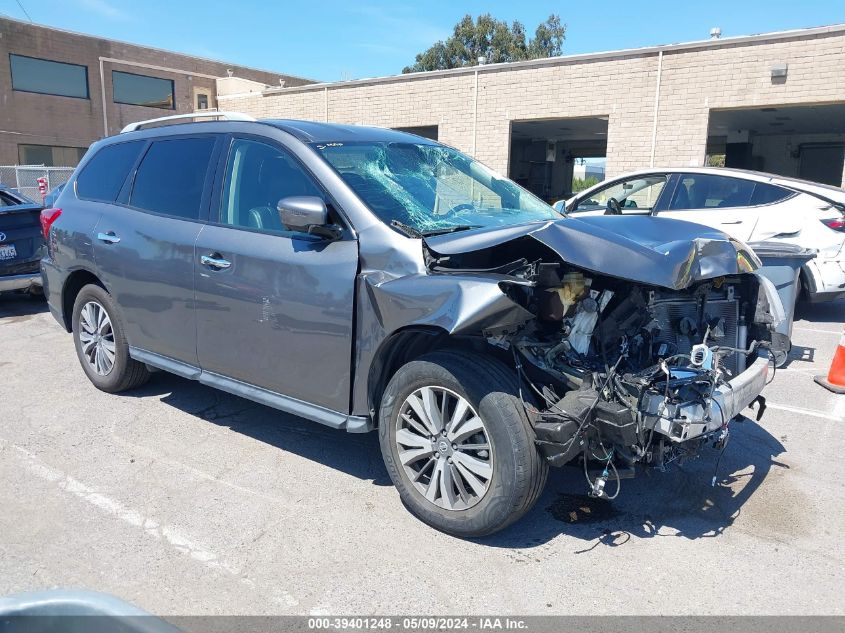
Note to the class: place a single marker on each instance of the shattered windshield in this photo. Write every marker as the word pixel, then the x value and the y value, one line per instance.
pixel 427 189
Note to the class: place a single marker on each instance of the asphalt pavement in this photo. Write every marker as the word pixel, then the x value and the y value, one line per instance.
pixel 185 500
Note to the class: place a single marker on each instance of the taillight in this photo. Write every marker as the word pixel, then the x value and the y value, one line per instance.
pixel 836 225
pixel 48 216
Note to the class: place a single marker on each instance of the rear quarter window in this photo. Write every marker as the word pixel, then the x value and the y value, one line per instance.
pixel 104 175
pixel 769 194
pixel 6 200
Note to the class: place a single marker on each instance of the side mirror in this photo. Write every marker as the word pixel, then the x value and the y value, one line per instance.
pixel 307 214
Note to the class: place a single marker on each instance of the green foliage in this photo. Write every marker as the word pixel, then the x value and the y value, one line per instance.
pixel 716 160
pixel 579 184
pixel 493 39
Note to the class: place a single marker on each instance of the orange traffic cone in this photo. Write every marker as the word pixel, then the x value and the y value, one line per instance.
pixel 835 380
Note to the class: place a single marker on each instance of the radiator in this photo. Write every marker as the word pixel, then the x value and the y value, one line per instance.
pixel 669 315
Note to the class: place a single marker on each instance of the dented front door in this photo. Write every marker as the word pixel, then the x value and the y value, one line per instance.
pixel 276 311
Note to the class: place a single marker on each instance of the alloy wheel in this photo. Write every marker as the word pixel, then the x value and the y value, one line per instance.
pixel 96 337
pixel 444 448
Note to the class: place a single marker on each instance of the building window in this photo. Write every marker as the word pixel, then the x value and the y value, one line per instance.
pixel 141 90
pixel 50 155
pixel 43 76
pixel 202 101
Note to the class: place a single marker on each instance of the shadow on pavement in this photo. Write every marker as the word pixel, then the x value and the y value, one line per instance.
pixel 828 312
pixel 680 500
pixel 800 354
pixel 16 306
pixel 357 455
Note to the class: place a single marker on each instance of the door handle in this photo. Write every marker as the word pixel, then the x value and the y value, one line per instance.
pixel 108 238
pixel 733 222
pixel 215 262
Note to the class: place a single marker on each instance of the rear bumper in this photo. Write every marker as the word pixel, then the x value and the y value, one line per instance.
pixel 20 282
pixel 828 280
pixel 53 282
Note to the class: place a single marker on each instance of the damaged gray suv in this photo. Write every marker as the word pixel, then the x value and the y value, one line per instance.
pixel 371 279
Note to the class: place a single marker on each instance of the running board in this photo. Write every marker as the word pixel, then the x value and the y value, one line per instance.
pixel 329 417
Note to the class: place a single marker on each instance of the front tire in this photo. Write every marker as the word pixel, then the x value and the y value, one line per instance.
pixel 101 344
pixel 458 445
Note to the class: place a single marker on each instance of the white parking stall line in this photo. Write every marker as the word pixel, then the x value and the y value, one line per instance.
pixel 168 533
pixel 817 330
pixel 836 415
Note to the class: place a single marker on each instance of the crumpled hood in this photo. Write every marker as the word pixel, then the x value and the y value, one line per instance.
pixel 656 251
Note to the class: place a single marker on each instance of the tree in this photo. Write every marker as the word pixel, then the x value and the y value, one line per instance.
pixel 579 184
pixel 492 39
pixel 715 160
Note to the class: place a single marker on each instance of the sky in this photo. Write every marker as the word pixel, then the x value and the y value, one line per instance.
pixel 333 40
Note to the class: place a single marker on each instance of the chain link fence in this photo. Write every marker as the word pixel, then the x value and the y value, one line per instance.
pixel 24 178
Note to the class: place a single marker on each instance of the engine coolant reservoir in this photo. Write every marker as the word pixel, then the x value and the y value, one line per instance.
pixel 574 286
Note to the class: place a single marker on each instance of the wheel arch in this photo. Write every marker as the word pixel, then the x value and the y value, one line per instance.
pixel 401 347
pixel 75 282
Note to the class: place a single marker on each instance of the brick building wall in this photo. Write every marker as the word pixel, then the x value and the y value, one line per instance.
pixel 694 79
pixel 40 119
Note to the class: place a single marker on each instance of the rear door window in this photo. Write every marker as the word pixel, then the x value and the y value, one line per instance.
pixel 171 177
pixel 104 175
pixel 708 191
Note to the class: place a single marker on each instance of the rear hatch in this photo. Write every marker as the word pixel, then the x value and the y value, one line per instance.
pixel 21 242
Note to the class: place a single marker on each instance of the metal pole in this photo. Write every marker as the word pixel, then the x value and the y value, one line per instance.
pixel 475 117
pixel 103 95
pixel 656 106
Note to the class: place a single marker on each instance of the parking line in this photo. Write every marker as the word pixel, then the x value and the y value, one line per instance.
pixel 113 507
pixel 813 329
pixel 170 534
pixel 837 415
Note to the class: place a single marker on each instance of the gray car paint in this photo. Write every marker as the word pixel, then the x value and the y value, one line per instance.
pixel 150 273
pixel 650 250
pixel 319 332
pixel 283 303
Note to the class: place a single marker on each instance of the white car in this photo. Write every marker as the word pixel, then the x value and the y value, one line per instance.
pixel 749 206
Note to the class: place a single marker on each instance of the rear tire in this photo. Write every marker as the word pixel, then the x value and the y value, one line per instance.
pixel 101 347
pixel 477 400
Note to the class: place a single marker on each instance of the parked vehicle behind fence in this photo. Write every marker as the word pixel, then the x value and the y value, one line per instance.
pixel 21 242
pixel 749 206
pixel 372 279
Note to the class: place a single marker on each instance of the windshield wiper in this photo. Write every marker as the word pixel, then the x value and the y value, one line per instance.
pixel 451 229
pixel 410 231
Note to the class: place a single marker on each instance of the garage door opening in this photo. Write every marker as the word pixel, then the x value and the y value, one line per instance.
pixel 426 131
pixel 553 158
pixel 798 141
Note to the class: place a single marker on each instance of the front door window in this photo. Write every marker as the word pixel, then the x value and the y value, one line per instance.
pixel 635 195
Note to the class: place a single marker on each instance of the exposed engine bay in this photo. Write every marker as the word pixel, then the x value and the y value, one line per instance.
pixel 624 374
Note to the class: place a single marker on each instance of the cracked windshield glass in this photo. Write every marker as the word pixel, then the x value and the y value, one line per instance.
pixel 425 189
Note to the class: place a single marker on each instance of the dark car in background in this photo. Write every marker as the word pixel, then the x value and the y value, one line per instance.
pixel 21 242
pixel 367 278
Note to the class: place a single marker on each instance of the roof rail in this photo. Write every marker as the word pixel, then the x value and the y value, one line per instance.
pixel 228 116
